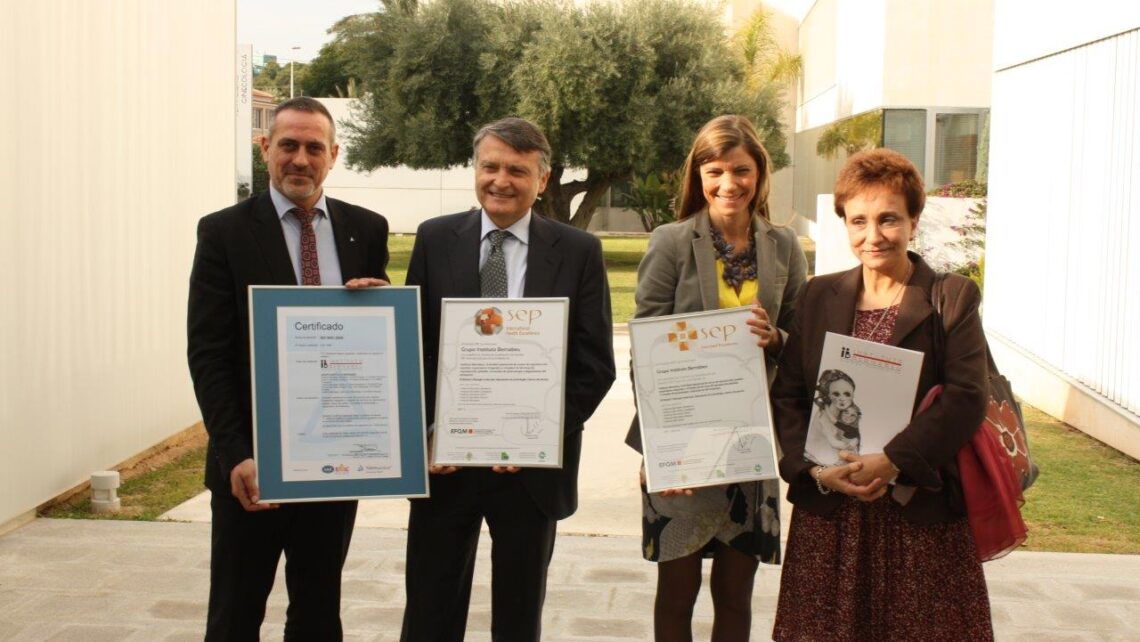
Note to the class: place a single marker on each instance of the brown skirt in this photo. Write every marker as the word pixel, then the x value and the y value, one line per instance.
pixel 866 573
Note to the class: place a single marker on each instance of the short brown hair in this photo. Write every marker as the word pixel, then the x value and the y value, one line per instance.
pixel 880 167
pixel 719 136
pixel 308 105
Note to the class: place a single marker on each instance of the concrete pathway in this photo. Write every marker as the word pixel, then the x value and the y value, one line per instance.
pixel 90 581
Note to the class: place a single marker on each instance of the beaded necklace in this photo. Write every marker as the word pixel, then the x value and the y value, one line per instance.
pixel 739 267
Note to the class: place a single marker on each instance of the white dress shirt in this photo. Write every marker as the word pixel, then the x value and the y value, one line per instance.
pixel 514 251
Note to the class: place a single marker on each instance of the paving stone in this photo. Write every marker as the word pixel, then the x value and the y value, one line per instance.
pixel 9 629
pixel 612 575
pixel 1084 617
pixel 1109 591
pixel 373 617
pixel 93 633
pixel 580 599
pixel 373 591
pixel 609 629
pixel 186 635
pixel 178 610
pixel 599 590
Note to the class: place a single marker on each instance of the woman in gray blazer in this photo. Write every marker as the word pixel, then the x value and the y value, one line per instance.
pixel 721 252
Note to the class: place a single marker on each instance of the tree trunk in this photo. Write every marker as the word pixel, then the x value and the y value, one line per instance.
pixel 558 196
pixel 596 189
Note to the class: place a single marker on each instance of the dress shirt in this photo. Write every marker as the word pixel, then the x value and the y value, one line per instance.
pixel 327 257
pixel 514 251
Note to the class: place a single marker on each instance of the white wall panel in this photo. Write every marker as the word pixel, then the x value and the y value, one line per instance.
pixel 119 126
pixel 1063 273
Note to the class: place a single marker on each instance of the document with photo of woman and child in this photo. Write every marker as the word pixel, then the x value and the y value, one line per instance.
pixel 702 400
pixel 863 397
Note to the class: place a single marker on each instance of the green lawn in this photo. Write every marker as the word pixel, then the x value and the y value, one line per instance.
pixel 1087 496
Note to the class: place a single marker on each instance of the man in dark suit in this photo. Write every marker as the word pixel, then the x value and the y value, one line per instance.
pixel 292 235
pixel 459 256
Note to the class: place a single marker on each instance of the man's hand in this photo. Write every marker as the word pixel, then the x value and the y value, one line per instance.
pixel 243 485
pixel 365 282
pixel 505 469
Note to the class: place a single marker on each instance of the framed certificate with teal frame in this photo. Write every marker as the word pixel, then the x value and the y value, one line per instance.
pixel 338 396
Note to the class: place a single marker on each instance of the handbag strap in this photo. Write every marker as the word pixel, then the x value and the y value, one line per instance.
pixel 940 329
pixel 939 325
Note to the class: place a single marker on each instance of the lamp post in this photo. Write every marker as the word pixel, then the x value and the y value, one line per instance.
pixel 294 57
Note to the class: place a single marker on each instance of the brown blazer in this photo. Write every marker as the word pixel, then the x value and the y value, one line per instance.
pixel 925 451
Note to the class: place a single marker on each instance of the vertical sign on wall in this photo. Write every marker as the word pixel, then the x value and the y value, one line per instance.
pixel 243 130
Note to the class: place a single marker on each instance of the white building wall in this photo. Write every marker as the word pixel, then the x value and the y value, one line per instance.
pixel 956 72
pixel 118 123
pixel 1063 244
pixel 869 54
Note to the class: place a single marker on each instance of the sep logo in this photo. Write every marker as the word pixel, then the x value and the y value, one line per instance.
pixel 524 315
pixel 327 469
pixel 684 336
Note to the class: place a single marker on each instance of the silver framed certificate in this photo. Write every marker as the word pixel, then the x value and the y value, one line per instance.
pixel 500 395
pixel 702 400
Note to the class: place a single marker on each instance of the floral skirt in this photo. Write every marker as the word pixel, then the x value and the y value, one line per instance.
pixel 744 516
pixel 866 573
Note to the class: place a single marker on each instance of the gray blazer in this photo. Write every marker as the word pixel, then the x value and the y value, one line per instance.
pixel 678 275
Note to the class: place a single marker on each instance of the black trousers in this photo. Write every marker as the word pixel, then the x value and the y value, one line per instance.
pixel 443 534
pixel 244 551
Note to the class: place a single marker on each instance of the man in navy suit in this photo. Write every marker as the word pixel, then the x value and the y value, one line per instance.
pixel 542 258
pixel 293 235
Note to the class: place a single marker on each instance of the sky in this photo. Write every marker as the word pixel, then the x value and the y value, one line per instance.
pixel 276 26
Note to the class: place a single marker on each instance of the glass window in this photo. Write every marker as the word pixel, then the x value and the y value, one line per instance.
pixel 904 130
pixel 956 138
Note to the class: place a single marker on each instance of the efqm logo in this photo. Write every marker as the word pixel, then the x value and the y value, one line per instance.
pixel 682 335
pixel 489 321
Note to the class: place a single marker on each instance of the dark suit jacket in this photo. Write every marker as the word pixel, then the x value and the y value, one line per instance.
pixel 925 451
pixel 240 246
pixel 561 261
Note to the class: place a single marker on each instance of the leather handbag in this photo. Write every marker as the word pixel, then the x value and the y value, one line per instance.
pixel 1003 413
pixel 994 466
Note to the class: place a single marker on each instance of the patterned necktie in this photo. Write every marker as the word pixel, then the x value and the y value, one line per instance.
pixel 310 268
pixel 493 276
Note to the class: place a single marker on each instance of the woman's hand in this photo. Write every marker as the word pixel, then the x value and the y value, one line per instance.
pixel 840 478
pixel 668 492
pixel 767 336
pixel 873 467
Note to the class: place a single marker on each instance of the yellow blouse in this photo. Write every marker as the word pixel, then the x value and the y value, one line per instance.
pixel 727 297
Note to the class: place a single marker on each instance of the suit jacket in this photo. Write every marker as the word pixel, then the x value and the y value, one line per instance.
pixel 561 261
pixel 925 451
pixel 678 275
pixel 240 246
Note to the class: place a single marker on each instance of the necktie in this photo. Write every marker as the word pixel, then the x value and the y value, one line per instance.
pixel 310 268
pixel 493 276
